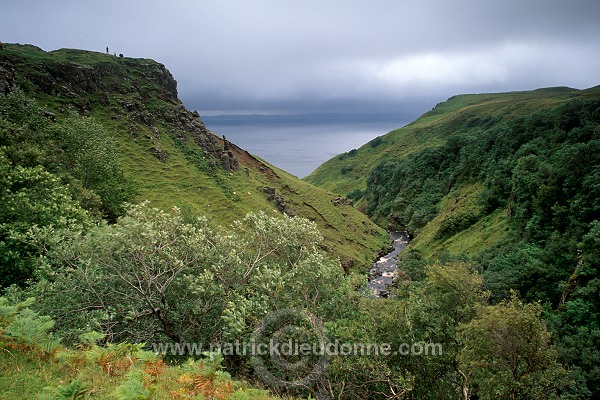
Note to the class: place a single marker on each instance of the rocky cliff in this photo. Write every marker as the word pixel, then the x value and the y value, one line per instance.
pixel 128 87
pixel 168 151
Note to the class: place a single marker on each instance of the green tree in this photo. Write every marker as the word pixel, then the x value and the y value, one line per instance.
pixel 506 353
pixel 448 297
pixel 31 199
pixel 154 277
pixel 373 373
pixel 89 155
pixel 77 149
pixel 577 320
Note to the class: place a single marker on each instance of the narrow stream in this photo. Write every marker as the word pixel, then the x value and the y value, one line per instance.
pixel 384 271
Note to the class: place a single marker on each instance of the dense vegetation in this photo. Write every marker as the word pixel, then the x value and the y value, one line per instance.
pixel 184 281
pixel 51 176
pixel 35 365
pixel 516 194
pixel 116 279
pixel 164 150
pixel 147 277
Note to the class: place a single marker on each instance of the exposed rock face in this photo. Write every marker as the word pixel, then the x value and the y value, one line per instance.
pixel 281 203
pixel 160 74
pixel 279 200
pixel 7 78
pixel 160 154
pixel 341 201
pixel 63 79
pixel 129 87
pixel 76 79
pixel 270 191
pixel 230 163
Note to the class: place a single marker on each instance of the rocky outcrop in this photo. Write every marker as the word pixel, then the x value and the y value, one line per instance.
pixel 159 74
pixel 123 84
pixel 339 200
pixel 159 153
pixel 7 78
pixel 279 200
pixel 229 162
pixel 270 191
pixel 74 78
pixel 126 87
pixel 119 75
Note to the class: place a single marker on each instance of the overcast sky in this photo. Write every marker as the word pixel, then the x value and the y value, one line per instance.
pixel 296 56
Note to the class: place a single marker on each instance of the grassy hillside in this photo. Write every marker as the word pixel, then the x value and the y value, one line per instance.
pixel 500 190
pixel 167 151
pixel 507 182
pixel 466 115
pixel 348 172
pixel 448 127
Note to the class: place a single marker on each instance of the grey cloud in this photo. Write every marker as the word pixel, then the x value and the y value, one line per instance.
pixel 307 56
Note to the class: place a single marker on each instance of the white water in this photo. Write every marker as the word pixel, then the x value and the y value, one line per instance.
pixel 384 272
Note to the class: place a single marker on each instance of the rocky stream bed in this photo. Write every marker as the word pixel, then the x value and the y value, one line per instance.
pixel 384 271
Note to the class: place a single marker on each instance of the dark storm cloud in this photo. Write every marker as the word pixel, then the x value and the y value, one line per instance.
pixel 307 56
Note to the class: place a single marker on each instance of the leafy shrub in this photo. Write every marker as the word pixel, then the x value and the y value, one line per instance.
pixel 134 388
pixel 376 142
pixel 350 153
pixel 507 353
pixel 412 263
pixel 90 156
pixel 455 223
pixel 355 195
pixel 53 177
pixel 77 150
pixel 190 273
pixel 31 199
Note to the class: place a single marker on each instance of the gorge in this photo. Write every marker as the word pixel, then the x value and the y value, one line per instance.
pixel 111 189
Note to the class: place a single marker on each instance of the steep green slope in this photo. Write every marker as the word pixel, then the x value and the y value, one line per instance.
pixel 407 178
pixel 448 127
pixel 348 172
pixel 167 151
pixel 509 183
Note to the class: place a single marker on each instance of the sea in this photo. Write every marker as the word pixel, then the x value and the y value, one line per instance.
pixel 298 144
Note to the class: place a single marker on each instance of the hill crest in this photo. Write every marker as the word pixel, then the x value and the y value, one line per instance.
pixel 170 154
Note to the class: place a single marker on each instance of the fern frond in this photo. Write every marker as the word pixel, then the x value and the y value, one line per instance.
pixel 76 390
pixel 134 388
pixel 31 329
